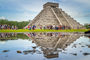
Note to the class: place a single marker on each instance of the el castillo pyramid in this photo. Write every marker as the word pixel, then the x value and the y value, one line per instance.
pixel 53 15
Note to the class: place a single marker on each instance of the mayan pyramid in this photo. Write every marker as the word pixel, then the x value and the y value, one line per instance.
pixel 53 15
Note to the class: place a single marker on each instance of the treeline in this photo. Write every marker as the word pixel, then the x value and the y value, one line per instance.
pixel 86 25
pixel 20 25
pixel 18 36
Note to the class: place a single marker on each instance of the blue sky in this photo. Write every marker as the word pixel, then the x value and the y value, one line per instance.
pixel 23 10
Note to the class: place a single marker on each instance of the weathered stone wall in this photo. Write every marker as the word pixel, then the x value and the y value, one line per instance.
pixel 45 18
pixel 51 5
pixel 71 21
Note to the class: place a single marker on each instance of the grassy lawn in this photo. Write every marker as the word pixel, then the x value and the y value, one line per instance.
pixel 38 30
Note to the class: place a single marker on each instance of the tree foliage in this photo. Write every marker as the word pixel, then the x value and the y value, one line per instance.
pixel 18 36
pixel 86 25
pixel 20 25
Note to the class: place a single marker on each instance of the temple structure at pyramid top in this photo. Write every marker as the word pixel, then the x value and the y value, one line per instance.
pixel 53 5
pixel 53 15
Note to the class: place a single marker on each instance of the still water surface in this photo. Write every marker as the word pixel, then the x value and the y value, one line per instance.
pixel 44 46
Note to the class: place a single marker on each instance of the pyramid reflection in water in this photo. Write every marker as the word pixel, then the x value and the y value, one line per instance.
pixel 52 43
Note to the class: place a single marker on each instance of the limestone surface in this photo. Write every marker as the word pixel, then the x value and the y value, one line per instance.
pixel 53 15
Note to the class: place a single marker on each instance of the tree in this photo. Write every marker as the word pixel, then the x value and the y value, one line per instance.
pixel 20 25
pixel 86 25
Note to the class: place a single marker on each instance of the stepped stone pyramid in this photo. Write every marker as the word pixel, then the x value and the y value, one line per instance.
pixel 53 15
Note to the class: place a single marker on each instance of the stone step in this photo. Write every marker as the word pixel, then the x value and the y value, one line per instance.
pixel 66 15
pixel 61 17
pixel 46 18
pixel 71 20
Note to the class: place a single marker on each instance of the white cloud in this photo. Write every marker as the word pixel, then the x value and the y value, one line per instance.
pixel 79 14
pixel 25 12
pixel 29 14
pixel 32 5
pixel 87 2
pixel 83 1
pixel 2 17
pixel 2 42
pixel 83 58
pixel 63 0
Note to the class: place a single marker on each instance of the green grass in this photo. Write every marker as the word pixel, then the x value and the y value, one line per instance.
pixel 38 30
